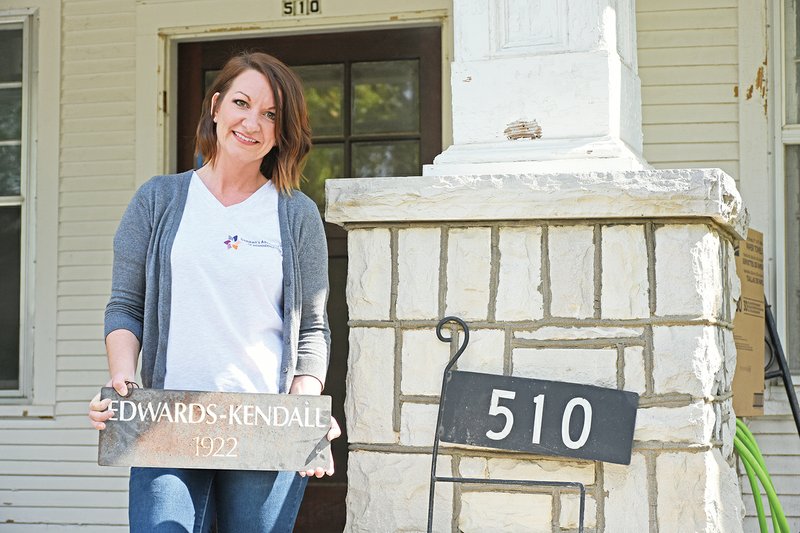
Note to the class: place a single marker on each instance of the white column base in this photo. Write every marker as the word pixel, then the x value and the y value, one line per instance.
pixel 592 154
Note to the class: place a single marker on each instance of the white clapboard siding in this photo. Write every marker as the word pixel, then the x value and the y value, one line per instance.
pixel 76 393
pixel 108 182
pixel 68 453
pixel 93 316
pixel 100 213
pixel 80 363
pixel 65 484
pixel 688 65
pixel 69 244
pixel 89 198
pixel 38 527
pixel 68 288
pixel 676 38
pixel 61 468
pixel 684 113
pixel 76 516
pixel 44 498
pixel 73 408
pixel 90 168
pixel 88 272
pixel 81 125
pixel 49 477
pixel 655 15
pixel 81 302
pixel 87 258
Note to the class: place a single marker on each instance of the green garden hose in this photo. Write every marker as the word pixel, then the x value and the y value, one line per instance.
pixel 750 455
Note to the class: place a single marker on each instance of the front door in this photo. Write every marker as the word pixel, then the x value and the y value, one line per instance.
pixel 374 101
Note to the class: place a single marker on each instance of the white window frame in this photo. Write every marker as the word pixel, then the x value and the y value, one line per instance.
pixel 41 22
pixel 784 135
pixel 24 23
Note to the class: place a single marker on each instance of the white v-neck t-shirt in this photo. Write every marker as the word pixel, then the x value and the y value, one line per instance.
pixel 226 310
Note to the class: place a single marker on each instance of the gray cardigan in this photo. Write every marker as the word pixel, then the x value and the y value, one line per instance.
pixel 142 281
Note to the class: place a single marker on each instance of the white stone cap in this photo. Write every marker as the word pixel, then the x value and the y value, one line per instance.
pixel 649 194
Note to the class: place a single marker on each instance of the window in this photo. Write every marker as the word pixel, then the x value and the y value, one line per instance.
pixel 30 129
pixel 789 136
pixel 379 135
pixel 14 154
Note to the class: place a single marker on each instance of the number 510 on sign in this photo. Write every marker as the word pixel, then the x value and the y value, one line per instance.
pixel 294 8
pixel 539 416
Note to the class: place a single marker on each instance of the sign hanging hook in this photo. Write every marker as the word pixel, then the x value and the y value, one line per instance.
pixel 440 334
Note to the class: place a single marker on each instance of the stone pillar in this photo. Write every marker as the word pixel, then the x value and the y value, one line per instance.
pixel 543 87
pixel 617 279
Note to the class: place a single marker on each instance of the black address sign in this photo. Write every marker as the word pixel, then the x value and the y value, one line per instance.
pixel 538 416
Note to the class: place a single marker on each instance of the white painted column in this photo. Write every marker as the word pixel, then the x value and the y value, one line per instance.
pixel 543 86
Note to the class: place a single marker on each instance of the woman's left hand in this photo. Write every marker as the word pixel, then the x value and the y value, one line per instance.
pixel 311 385
pixel 333 433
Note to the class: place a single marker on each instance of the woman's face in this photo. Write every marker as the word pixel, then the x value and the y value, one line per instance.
pixel 245 118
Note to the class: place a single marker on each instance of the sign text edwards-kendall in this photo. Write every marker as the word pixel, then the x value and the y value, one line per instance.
pixel 239 431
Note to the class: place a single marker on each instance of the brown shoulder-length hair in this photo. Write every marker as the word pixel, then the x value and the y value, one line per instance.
pixel 284 163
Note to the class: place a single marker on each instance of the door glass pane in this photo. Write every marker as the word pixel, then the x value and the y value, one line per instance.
pixel 324 162
pixel 10 114
pixel 10 54
pixel 10 167
pixel 378 159
pixel 324 91
pixel 792 348
pixel 385 97
pixel 792 47
pixel 9 288
pixel 208 79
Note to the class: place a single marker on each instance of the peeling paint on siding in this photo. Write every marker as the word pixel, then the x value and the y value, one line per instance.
pixel 759 86
pixel 233 29
pixel 761 83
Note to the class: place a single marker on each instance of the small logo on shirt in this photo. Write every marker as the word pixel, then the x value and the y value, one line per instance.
pixel 232 242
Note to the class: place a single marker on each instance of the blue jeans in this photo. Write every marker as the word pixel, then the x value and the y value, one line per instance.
pixel 184 500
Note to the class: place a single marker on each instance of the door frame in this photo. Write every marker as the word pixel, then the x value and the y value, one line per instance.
pixel 160 27
pixel 416 42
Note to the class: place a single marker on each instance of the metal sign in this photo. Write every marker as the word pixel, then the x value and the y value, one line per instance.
pixel 529 415
pixel 221 430
pixel 538 416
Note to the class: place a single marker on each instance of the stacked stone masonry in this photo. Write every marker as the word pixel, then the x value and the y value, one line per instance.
pixel 637 305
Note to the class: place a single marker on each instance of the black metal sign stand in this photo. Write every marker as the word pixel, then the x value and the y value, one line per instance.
pixel 439 432
pixel 776 353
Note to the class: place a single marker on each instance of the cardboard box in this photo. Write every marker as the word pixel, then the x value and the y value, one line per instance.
pixel 748 328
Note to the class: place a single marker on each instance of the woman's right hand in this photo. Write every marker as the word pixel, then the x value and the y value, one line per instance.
pixel 98 409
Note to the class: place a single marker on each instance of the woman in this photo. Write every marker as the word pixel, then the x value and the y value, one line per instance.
pixel 220 279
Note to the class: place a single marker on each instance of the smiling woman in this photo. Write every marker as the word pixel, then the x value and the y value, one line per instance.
pixel 259 99
pixel 243 317
pixel 243 119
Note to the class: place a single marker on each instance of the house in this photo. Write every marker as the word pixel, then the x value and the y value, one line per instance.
pixel 99 95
